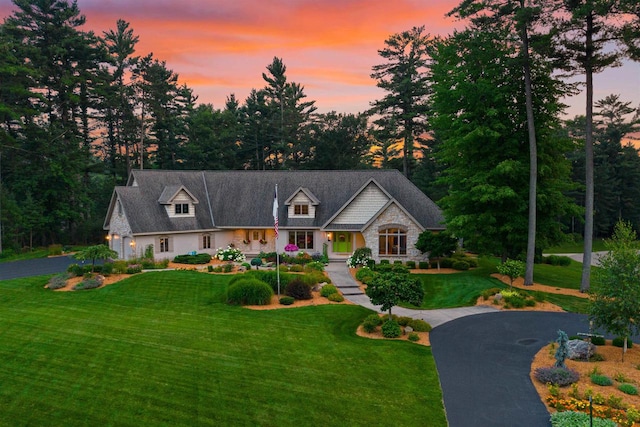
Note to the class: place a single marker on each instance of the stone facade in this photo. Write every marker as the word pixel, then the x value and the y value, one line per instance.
pixel 393 216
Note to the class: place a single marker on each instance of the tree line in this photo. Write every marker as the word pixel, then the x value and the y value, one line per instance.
pixel 474 119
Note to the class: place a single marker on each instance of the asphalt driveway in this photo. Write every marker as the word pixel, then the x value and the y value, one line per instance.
pixel 484 362
pixel 35 267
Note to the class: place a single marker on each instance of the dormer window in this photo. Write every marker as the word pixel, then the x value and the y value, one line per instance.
pixel 301 209
pixel 182 208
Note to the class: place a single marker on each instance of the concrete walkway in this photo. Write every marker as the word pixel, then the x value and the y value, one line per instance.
pixel 342 279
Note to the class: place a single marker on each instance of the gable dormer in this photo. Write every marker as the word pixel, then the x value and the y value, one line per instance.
pixel 302 204
pixel 178 202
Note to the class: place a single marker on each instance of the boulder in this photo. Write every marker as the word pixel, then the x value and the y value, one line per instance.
pixel 408 329
pixel 580 350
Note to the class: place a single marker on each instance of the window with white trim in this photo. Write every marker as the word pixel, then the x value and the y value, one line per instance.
pixel 392 241
pixel 164 244
pixel 302 239
pixel 181 208
pixel 301 209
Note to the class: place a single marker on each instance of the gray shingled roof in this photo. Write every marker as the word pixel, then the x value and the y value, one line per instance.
pixel 244 199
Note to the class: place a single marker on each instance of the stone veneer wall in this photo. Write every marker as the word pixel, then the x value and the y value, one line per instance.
pixel 118 225
pixel 394 216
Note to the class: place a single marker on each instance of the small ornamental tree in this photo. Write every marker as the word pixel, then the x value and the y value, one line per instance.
pixel 95 252
pixel 563 351
pixel 511 268
pixel 388 289
pixel 438 245
pixel 615 296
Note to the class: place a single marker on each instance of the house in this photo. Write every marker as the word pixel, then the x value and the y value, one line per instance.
pixel 332 212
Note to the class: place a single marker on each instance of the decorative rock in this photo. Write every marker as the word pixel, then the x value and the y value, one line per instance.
pixel 319 286
pixel 580 350
pixel 242 268
pixel 408 329
pixel 497 297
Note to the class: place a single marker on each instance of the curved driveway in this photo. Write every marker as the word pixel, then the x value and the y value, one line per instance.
pixel 484 362
pixel 35 267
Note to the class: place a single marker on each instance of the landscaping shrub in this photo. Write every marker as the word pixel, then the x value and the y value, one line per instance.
pixel 147 264
pixel 413 337
pixel 423 265
pixel 210 268
pixel 58 281
pixel 384 261
pixel 601 380
pixel 268 276
pixel 371 322
pixel 97 268
pixel 202 258
pixel 230 254
pixel 365 274
pixel 411 264
pixel 397 262
pixel 314 266
pixel 249 291
pixel 283 268
pixel 628 389
pixel 227 268
pixel 460 265
pixel 419 325
pixel 383 267
pixel 298 289
pixel 120 267
pixel 446 263
pixel 90 283
pixel 488 293
pixel 619 342
pixel 391 329
pixel 76 270
pixel 257 262
pixel 403 320
pixel 473 262
pixel 328 290
pixel 313 278
pixel 559 376
pixel 400 269
pixel 296 268
pixel 558 260
pixel 134 268
pixel 596 357
pixel 336 297
pixel 578 419
pixel 285 300
pixel 360 257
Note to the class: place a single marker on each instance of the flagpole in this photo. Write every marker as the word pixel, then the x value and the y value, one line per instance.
pixel 275 228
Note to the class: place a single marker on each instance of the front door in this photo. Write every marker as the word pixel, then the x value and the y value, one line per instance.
pixel 342 242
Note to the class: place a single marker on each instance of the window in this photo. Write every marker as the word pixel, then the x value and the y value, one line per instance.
pixel 302 239
pixel 206 241
pixel 164 244
pixel 393 241
pixel 182 208
pixel 119 208
pixel 301 209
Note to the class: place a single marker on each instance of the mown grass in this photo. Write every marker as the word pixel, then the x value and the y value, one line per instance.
pixel 562 277
pixel 163 349
pixel 575 247
pixel 457 289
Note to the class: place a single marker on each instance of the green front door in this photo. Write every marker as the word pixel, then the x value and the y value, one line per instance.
pixel 342 242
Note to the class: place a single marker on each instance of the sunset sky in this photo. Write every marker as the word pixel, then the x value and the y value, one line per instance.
pixel 221 47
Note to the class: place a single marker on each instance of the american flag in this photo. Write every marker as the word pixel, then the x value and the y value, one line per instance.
pixel 275 211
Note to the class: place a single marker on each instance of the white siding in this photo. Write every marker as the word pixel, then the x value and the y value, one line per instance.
pixel 363 207
pixel 181 197
pixel 301 199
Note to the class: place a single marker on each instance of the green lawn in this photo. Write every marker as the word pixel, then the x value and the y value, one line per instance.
pixel 575 247
pixel 162 349
pixel 561 277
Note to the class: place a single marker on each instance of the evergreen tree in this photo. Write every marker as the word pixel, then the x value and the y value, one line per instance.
pixel 481 122
pixel 403 110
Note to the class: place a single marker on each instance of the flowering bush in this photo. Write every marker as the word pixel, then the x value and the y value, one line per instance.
pixel 230 254
pixel 361 256
pixel 291 248
pixel 619 416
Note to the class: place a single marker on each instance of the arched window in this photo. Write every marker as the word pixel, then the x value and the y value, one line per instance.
pixel 392 241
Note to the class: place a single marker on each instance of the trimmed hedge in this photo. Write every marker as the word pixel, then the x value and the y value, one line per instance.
pixel 601 380
pixel 619 342
pixel 285 300
pixel 557 376
pixel 391 329
pixel 336 297
pixel 249 291
pixel 201 258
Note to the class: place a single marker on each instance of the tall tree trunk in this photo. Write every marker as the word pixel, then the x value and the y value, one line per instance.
pixel 533 158
pixel 588 202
